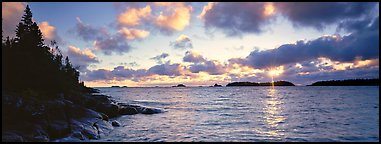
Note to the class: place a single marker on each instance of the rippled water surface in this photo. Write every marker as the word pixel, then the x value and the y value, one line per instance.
pixel 249 114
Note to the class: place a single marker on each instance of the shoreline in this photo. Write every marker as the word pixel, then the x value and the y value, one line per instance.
pixel 27 118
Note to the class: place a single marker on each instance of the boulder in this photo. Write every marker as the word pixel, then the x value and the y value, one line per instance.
pixel 115 123
pixel 150 111
pixel 58 129
pixel 128 110
pixel 111 110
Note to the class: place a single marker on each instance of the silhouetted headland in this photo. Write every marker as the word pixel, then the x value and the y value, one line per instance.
pixel 277 83
pixel 349 82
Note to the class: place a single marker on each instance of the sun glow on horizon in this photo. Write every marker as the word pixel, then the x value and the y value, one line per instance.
pixel 276 71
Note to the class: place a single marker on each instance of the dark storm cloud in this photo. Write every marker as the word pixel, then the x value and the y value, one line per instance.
pixel 321 14
pixel 361 44
pixel 236 18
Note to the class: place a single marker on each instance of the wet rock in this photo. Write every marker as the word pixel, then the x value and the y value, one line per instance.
pixel 115 123
pixel 128 110
pixel 150 111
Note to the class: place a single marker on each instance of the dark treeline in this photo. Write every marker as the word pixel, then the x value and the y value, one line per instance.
pixel 28 64
pixel 349 82
pixel 277 83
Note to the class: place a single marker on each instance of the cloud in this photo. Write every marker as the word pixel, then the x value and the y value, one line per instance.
pixel 49 32
pixel 193 57
pixel 235 18
pixel 133 16
pixel 320 14
pixel 362 44
pixel 167 69
pixel 254 17
pixel 121 73
pixel 182 42
pixel 159 58
pixel 100 74
pixel 317 70
pixel 81 58
pixel 212 67
pixel 115 44
pixel 89 33
pixel 131 64
pixel 103 41
pixel 201 64
pixel 134 33
pixel 176 21
pixel 11 16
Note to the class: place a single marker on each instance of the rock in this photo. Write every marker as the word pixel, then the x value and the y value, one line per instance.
pixel 115 123
pixel 11 137
pixel 111 110
pixel 150 111
pixel 41 138
pixel 58 129
pixel 128 110
pixel 104 117
pixel 90 133
pixel 78 135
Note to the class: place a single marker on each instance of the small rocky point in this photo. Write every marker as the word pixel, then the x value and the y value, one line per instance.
pixel 26 118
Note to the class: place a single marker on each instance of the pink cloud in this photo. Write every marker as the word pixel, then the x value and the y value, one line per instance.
pixel 11 16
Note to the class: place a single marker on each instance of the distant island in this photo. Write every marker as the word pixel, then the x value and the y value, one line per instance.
pixel 349 82
pixel 217 85
pixel 179 85
pixel 277 83
pixel 115 86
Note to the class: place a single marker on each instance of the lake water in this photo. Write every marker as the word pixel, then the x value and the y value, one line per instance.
pixel 249 114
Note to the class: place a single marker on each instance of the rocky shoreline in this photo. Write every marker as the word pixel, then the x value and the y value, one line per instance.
pixel 25 117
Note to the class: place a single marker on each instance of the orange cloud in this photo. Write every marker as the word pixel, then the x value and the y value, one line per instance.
pixel 11 16
pixel 48 31
pixel 134 33
pixel 133 16
pixel 206 9
pixel 178 20
pixel 87 52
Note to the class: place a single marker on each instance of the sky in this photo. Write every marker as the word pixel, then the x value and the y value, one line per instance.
pixel 143 44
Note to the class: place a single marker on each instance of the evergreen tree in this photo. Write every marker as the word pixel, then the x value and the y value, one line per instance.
pixel 30 64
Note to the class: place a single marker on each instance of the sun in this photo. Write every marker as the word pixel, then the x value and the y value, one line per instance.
pixel 276 71
pixel 269 9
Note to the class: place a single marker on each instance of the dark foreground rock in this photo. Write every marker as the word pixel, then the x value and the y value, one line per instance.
pixel 27 118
